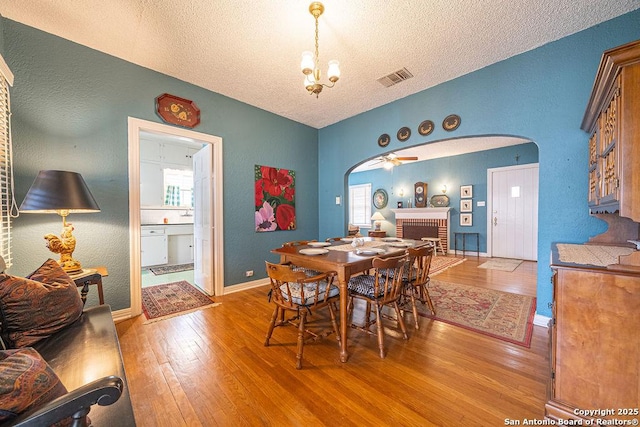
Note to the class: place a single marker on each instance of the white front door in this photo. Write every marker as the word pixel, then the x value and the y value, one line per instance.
pixel 513 212
pixel 203 218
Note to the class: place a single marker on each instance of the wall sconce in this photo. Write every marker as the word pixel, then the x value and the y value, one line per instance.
pixel 444 189
pixel 401 192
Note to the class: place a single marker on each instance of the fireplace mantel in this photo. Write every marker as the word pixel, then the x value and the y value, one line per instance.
pixel 422 213
pixel 432 220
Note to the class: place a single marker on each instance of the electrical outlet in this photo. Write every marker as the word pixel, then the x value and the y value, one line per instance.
pixel 248 273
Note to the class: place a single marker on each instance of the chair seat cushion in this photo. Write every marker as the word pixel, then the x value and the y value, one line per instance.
pixel 309 292
pixel 365 285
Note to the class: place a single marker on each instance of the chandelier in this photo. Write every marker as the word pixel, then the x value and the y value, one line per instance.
pixel 309 62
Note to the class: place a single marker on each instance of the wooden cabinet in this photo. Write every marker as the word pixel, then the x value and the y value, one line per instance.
pixel 595 357
pixel 612 119
pixel 374 233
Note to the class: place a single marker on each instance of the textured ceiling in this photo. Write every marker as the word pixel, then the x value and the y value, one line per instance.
pixel 251 50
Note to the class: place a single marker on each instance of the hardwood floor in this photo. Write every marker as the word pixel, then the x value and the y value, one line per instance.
pixel 211 368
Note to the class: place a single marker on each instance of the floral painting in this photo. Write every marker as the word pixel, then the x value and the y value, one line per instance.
pixel 274 199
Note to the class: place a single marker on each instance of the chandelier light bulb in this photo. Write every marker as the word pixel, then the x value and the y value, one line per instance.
pixel 334 71
pixel 307 65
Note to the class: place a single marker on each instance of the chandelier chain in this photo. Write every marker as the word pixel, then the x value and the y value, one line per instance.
pixel 317 54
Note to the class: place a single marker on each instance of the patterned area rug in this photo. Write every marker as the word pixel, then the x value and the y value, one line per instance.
pixel 173 299
pixel 502 264
pixel 502 315
pixel 441 263
pixel 166 269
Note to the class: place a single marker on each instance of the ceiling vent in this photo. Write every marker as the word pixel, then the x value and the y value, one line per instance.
pixel 395 77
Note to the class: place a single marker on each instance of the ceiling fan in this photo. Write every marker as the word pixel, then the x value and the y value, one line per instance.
pixel 391 160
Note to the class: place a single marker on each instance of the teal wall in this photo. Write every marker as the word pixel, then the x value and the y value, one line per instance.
pixel 70 106
pixel 539 95
pixel 454 171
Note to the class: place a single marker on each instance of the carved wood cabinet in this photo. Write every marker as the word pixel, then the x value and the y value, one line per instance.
pixel 594 331
pixel 595 343
pixel 612 119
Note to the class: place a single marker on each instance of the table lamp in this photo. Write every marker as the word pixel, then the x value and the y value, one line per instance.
pixel 60 192
pixel 377 217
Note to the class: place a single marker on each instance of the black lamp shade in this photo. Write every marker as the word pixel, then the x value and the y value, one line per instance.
pixel 54 191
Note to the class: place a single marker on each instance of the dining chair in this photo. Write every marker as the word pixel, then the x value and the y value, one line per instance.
pixel 334 239
pixel 383 287
pixel 416 278
pixel 294 291
pixel 309 272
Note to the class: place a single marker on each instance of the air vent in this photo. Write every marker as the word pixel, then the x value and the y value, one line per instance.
pixel 395 77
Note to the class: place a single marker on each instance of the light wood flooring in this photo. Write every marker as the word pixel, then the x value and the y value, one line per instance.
pixel 210 368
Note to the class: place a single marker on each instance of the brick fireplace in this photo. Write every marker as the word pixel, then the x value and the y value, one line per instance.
pixel 415 223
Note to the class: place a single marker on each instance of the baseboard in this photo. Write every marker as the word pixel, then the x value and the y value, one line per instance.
pixel 246 285
pixel 540 320
pixel 120 315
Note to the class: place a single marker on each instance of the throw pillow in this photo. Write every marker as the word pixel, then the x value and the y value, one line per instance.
pixel 26 382
pixel 35 307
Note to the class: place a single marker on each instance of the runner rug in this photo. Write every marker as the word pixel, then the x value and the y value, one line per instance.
pixel 166 269
pixel 502 315
pixel 441 263
pixel 173 299
pixel 502 264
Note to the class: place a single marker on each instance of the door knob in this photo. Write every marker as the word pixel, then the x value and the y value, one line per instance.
pixel 495 220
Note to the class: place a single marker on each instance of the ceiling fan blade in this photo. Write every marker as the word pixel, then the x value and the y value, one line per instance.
pixel 407 158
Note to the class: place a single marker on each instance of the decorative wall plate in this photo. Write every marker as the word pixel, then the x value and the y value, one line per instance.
pixel 404 133
pixel 177 111
pixel 380 198
pixel 384 140
pixel 426 127
pixel 451 122
pixel 440 201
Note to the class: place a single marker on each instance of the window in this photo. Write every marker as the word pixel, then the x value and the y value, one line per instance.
pixel 178 188
pixel 360 205
pixel 8 208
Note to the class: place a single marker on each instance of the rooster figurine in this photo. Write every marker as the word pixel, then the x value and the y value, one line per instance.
pixel 64 245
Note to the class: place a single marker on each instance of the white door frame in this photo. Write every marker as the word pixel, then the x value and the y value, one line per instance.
pixel 490 200
pixel 135 126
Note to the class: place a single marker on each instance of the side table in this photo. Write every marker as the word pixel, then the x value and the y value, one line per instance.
pixel 90 276
pixel 464 238
pixel 377 234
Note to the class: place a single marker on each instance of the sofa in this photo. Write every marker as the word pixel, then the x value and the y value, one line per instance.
pixel 85 356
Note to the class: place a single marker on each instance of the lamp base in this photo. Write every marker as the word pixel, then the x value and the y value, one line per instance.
pixel 64 245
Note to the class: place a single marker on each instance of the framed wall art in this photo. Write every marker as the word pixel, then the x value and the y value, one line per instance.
pixel 466 191
pixel 466 205
pixel 380 199
pixel 275 203
pixel 466 220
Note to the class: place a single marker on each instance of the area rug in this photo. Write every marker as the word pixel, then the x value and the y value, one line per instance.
pixel 166 269
pixel 501 315
pixel 173 299
pixel 502 264
pixel 441 263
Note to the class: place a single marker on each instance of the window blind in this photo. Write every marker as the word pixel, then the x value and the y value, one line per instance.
pixel 360 205
pixel 8 208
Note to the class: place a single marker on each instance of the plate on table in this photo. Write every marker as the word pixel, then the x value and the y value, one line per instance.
pixel 313 251
pixel 391 239
pixel 319 244
pixel 401 244
pixel 347 239
pixel 369 251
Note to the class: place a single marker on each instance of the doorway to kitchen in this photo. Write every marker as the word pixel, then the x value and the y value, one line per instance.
pixel 166 208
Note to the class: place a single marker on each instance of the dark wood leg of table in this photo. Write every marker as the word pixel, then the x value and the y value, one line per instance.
pixel 344 290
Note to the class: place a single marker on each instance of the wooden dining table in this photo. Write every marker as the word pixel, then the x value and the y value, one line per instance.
pixel 346 262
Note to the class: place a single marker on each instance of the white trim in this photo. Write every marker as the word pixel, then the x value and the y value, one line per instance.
pixel 5 71
pixel 540 320
pixel 134 127
pixel 245 286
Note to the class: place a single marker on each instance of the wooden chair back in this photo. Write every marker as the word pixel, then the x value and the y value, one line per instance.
pixel 297 243
pixel 288 285
pixel 419 263
pixel 388 274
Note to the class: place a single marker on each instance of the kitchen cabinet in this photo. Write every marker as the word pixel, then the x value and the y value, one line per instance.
pixel 177 156
pixel 154 246
pixel 151 184
pixel 181 248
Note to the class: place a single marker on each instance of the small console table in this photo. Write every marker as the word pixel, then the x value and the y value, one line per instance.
pixel 464 242
pixel 90 276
